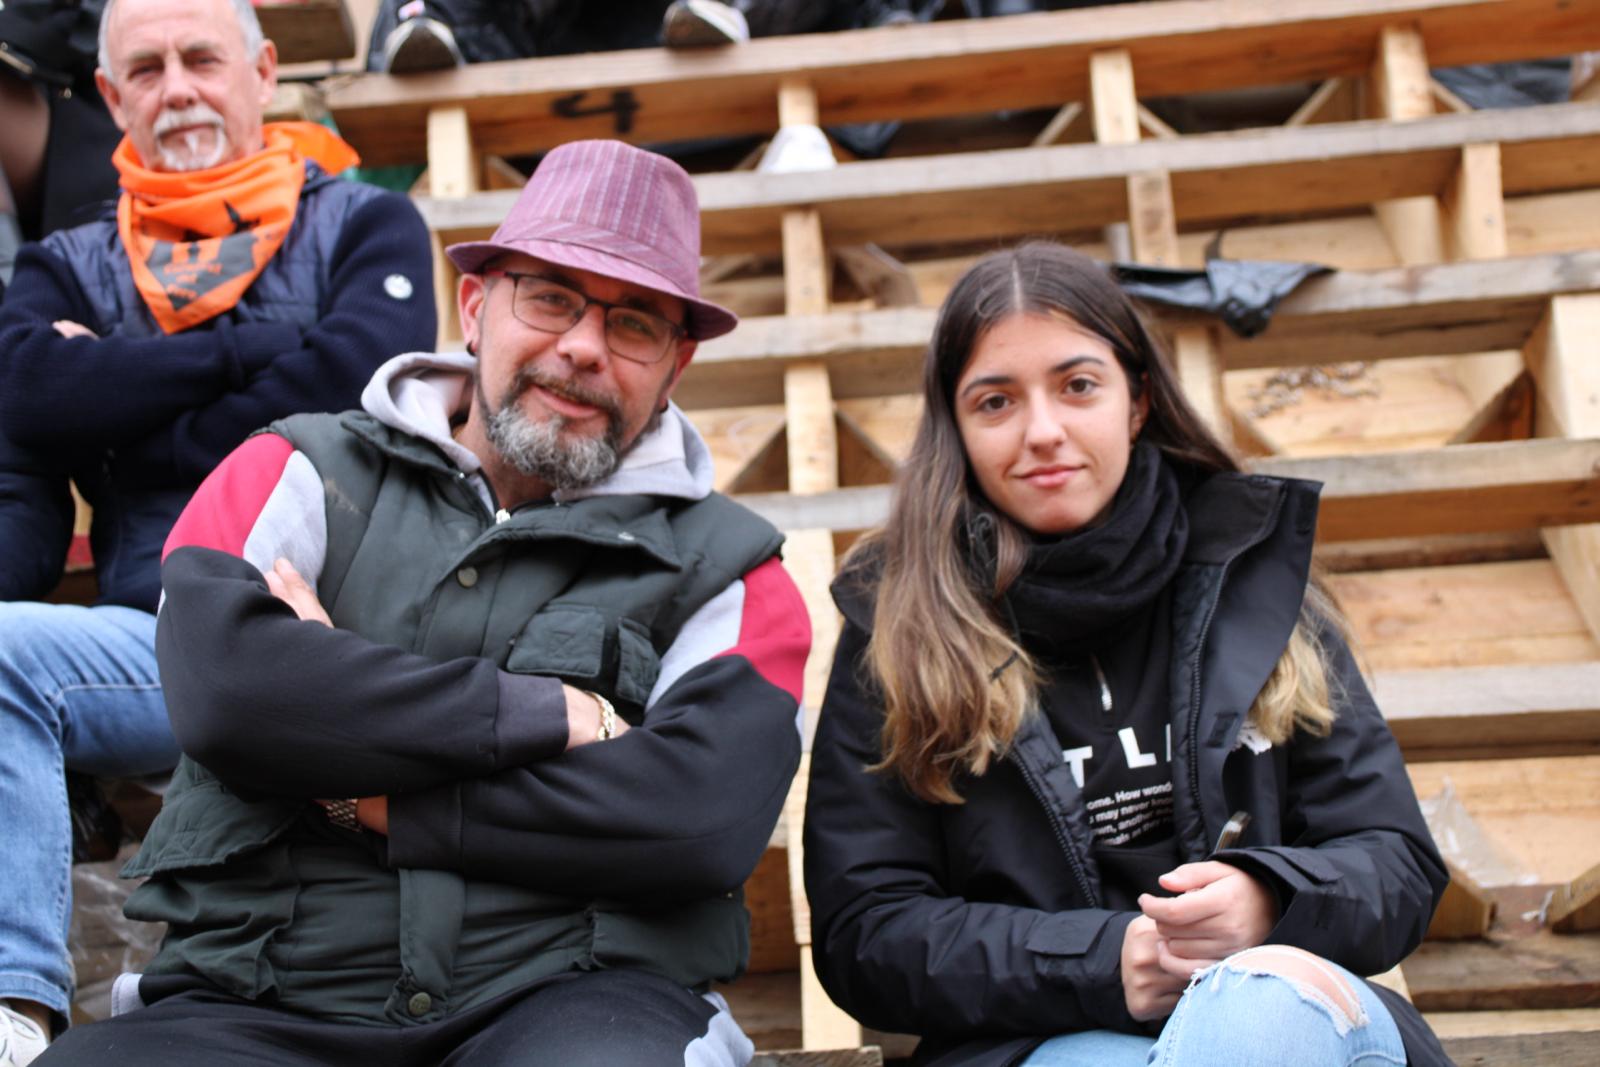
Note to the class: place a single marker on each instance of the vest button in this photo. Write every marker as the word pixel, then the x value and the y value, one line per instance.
pixel 419 1004
pixel 467 576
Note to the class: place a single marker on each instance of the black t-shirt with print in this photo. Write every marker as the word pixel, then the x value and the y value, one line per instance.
pixel 1109 710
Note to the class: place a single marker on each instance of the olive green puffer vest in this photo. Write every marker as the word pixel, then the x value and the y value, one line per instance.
pixel 593 592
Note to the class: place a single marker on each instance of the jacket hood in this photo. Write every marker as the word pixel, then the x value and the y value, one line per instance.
pixel 420 393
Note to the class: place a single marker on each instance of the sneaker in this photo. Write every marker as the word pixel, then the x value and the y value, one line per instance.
pixel 20 1038
pixel 693 23
pixel 420 44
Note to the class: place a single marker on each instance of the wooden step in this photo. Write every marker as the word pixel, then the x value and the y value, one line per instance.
pixel 1452 490
pixel 1214 177
pixel 943 68
pixel 1444 309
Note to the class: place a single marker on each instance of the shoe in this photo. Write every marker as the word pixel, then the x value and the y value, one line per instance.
pixel 420 44
pixel 20 1038
pixel 694 23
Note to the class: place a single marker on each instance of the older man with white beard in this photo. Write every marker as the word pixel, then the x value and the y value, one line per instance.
pixel 235 282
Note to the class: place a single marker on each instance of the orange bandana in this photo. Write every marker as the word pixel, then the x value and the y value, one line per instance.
pixel 196 240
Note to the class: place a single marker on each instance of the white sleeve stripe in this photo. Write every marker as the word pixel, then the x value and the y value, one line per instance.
pixel 711 630
pixel 293 523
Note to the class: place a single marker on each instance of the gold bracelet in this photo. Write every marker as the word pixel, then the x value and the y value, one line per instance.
pixel 608 717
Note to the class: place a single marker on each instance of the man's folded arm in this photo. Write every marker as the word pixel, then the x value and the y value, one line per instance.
pixel 58 391
pixel 202 390
pixel 680 806
pixel 266 701
pixel 324 368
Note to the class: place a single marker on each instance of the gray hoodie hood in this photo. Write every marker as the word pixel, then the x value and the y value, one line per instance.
pixel 420 392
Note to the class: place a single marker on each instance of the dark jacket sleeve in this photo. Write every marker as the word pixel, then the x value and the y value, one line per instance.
pixel 266 701
pixel 201 391
pixel 679 807
pixel 892 945
pixel 36 514
pixel 1358 876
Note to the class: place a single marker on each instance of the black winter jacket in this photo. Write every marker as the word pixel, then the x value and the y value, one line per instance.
pixel 980 926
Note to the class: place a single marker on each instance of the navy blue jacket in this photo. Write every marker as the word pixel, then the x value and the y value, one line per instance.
pixel 981 925
pixel 137 418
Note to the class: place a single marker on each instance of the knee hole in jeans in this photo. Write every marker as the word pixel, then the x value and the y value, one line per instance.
pixel 1310 976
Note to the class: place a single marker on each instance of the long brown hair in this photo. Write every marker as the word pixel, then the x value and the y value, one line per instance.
pixel 955 681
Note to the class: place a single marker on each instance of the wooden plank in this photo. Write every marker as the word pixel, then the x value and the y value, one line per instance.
pixel 942 68
pixel 871 1056
pixel 1423 617
pixel 1492 712
pixel 1114 109
pixel 1466 307
pixel 1575 906
pixel 453 162
pixel 1215 177
pixel 1474 205
pixel 1197 359
pixel 1464 910
pixel 766 896
pixel 1564 358
pixel 1503 973
pixel 1469 1024
pixel 1540 813
pixel 1547 1050
pixel 1462 489
pixel 308 30
pixel 1400 90
pixel 1437 551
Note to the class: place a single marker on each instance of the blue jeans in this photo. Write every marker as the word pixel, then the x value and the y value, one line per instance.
pixel 78 691
pixel 1235 1016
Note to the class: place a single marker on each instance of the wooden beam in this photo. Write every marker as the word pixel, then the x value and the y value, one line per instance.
pixel 1575 907
pixel 1214 177
pixel 1400 90
pixel 453 161
pixel 1444 309
pixel 941 68
pixel 1564 357
pixel 1439 550
pixel 1505 973
pixel 1198 362
pixel 1460 489
pixel 1464 910
pixel 1500 712
pixel 1474 206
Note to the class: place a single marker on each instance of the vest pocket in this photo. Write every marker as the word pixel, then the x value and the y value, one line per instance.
pixel 574 642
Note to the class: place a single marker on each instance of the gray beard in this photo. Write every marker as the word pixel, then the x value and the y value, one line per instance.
pixel 538 449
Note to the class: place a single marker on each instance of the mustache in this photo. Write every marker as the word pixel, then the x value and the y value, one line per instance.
pixel 529 376
pixel 194 115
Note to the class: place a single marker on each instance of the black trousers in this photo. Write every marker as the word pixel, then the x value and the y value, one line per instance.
pixel 577 1019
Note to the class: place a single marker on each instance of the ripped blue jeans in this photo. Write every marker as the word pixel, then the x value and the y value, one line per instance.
pixel 1238 1013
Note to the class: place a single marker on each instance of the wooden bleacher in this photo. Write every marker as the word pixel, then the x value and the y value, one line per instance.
pixel 1461 522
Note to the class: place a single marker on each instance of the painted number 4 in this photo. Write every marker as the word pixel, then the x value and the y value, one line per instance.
pixel 623 105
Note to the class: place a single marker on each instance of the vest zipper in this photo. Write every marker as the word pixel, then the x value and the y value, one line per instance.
pixel 1054 818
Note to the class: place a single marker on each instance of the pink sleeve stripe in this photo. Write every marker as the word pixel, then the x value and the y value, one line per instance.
pixel 228 503
pixel 774 630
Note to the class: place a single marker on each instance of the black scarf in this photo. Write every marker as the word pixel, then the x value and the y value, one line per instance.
pixel 1076 590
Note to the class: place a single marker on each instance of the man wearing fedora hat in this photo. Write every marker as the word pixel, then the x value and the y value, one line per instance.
pixel 488 702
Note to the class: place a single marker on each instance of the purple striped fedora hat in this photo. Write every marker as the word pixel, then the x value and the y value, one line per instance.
pixel 616 210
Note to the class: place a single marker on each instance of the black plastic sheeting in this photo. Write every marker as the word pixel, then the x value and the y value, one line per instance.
pixel 1243 293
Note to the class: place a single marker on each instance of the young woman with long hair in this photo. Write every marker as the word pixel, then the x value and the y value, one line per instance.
pixel 1082 646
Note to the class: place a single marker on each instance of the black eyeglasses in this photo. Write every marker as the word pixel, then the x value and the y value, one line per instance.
pixel 548 305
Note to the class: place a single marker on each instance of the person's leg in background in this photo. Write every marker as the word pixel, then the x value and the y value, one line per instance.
pixel 78 690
